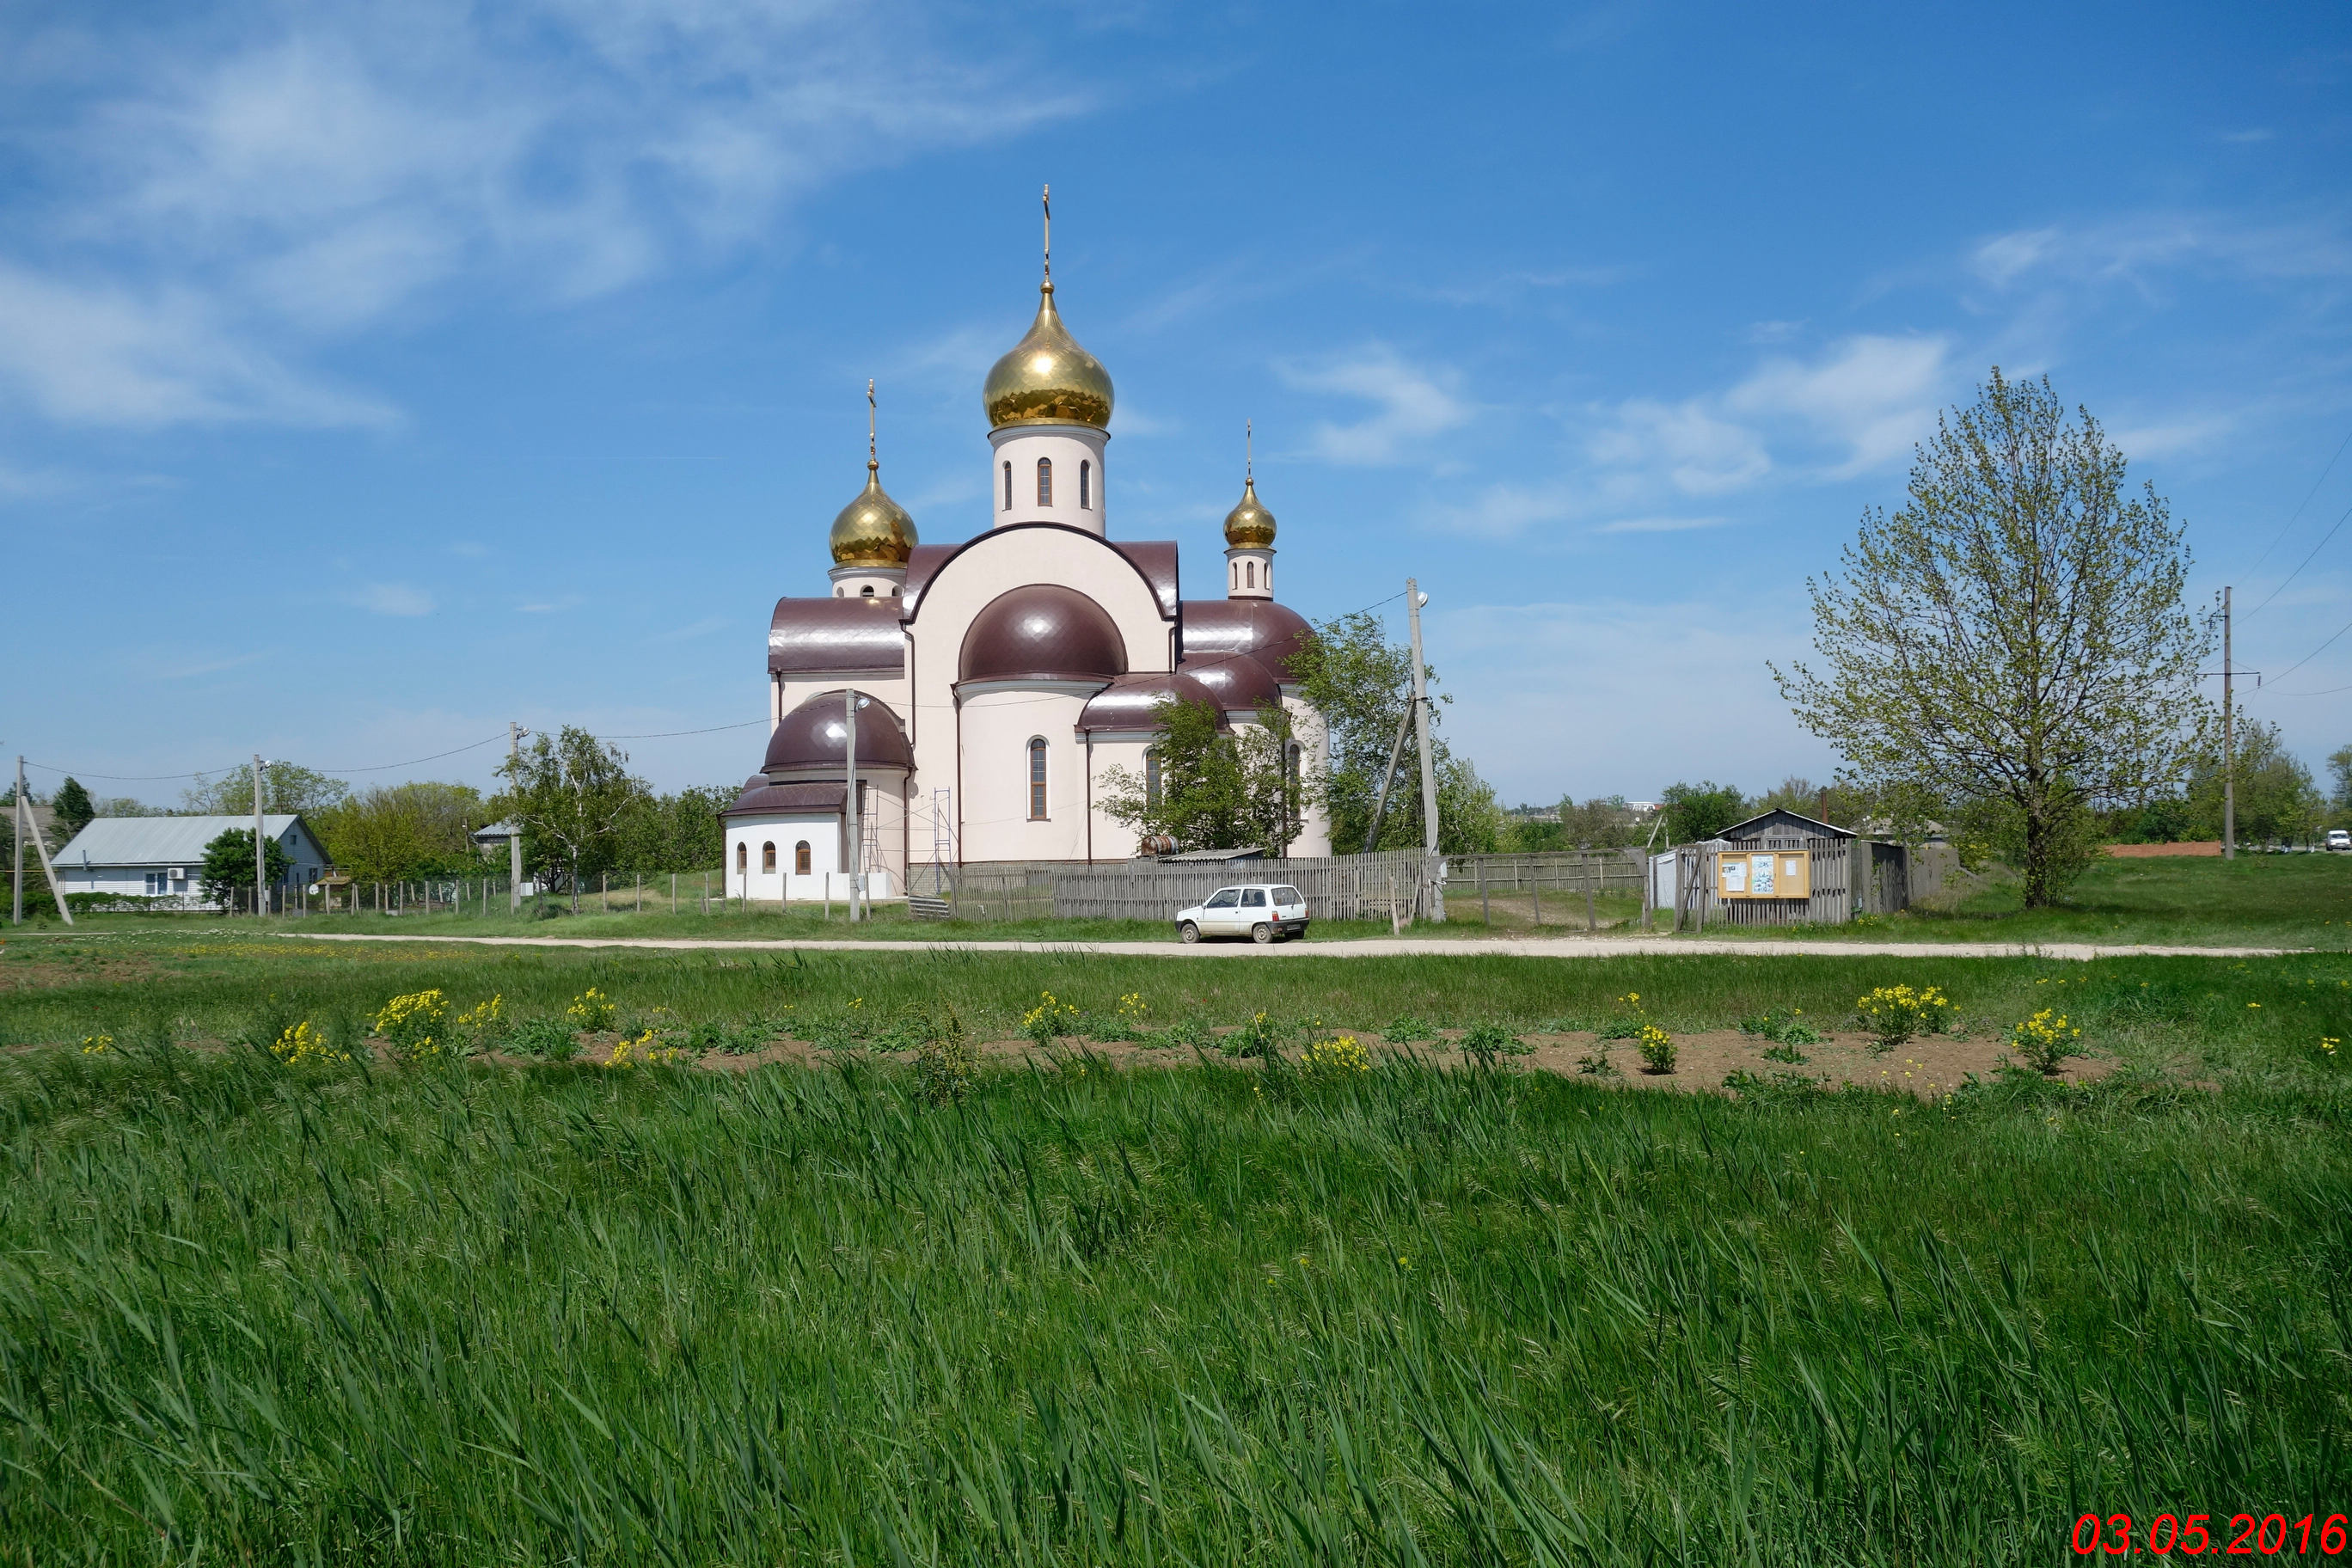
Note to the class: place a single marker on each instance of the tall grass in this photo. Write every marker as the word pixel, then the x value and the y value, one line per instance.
pixel 250 1314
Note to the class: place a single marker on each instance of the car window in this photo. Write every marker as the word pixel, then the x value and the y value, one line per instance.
pixel 1253 898
pixel 1224 899
pixel 1289 895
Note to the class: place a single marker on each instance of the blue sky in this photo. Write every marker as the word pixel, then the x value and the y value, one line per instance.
pixel 371 376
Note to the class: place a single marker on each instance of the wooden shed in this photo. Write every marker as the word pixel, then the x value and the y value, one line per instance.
pixel 1784 868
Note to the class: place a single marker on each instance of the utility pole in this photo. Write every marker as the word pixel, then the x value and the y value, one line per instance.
pixel 17 822
pixel 514 820
pixel 2229 744
pixel 849 813
pixel 261 863
pixel 24 823
pixel 1413 598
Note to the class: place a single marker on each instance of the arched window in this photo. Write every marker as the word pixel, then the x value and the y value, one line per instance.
pixel 866 592
pixel 1086 486
pixel 768 859
pixel 1037 779
pixel 742 857
pixel 1249 573
pixel 801 858
pixel 1044 481
pixel 1151 776
pixel 1008 487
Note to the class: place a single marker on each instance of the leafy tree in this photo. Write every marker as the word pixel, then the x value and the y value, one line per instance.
pixel 570 792
pixel 72 807
pixel 2339 768
pixel 678 832
pixel 1696 811
pixel 392 832
pixel 227 874
pixel 1361 684
pixel 286 787
pixel 2013 639
pixel 1217 788
pixel 1469 817
pixel 1604 821
pixel 2277 801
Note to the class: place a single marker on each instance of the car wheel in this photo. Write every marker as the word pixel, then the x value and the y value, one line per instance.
pixel 1188 931
pixel 1261 934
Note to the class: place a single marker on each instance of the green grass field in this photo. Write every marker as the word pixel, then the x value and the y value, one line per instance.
pixel 464 1313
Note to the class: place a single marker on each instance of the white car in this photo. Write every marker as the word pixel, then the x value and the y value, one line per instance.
pixel 2337 839
pixel 1262 911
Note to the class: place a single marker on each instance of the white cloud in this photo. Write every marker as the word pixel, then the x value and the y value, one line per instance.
pixel 1661 524
pixel 1690 445
pixel 2139 248
pixel 394 599
pixel 1413 405
pixel 1506 510
pixel 233 196
pixel 1873 395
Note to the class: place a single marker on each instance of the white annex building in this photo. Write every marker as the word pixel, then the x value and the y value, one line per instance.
pixel 996 681
pixel 164 857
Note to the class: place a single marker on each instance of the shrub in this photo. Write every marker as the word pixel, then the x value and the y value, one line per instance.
pixel 1786 1028
pixel 1598 1065
pixel 2044 1041
pixel 1336 1060
pixel 1048 1020
pixel 592 1011
pixel 1485 1042
pixel 1896 1013
pixel 411 1024
pixel 1786 1053
pixel 945 1063
pixel 644 1049
pixel 1407 1030
pixel 483 1024
pixel 550 1039
pixel 1192 1033
pixel 1127 1023
pixel 1261 1037
pixel 302 1042
pixel 1657 1049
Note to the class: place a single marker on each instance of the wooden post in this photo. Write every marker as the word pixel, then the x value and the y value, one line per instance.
pixel 1486 911
pixel 1591 923
pixel 1395 927
pixel 1535 890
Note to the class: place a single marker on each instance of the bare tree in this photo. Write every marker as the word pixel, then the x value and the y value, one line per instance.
pixel 2014 639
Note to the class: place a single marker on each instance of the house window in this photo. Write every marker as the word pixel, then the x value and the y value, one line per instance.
pixel 1037 779
pixel 742 858
pixel 1151 776
pixel 1044 481
pixel 1086 486
pixel 801 858
pixel 1008 487
pixel 768 859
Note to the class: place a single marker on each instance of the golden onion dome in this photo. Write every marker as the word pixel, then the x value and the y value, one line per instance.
pixel 873 530
pixel 1249 526
pixel 1047 379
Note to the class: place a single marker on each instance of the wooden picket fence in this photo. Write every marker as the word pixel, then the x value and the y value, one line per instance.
pixel 1341 888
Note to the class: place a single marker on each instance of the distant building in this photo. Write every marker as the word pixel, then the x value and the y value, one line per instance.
pixel 164 857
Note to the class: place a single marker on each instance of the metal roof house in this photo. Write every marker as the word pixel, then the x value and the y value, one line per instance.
pixel 1781 826
pixel 164 857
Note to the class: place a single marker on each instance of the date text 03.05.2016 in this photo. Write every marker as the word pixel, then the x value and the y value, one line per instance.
pixel 2247 1535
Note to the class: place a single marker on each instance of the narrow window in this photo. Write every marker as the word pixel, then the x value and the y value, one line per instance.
pixel 742 858
pixel 801 858
pixel 768 859
pixel 1008 487
pixel 866 592
pixel 1044 481
pixel 1037 779
pixel 1249 573
pixel 1151 776
pixel 1086 486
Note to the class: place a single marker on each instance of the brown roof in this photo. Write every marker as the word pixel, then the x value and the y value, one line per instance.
pixel 1239 681
pixel 1043 632
pixel 779 799
pixel 1154 560
pixel 813 736
pixel 1270 633
pixel 807 636
pixel 1129 702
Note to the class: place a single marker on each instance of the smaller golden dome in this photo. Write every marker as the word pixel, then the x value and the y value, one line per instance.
pixel 1047 379
pixel 873 530
pixel 1249 526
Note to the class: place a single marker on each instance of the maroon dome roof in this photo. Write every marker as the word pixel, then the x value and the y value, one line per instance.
pixel 811 637
pixel 813 736
pixel 1043 632
pixel 760 798
pixel 1270 633
pixel 1240 681
pixel 1130 701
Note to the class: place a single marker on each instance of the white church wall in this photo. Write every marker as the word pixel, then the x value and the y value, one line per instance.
pixel 748 838
pixel 1075 452
pixel 1114 840
pixel 997 726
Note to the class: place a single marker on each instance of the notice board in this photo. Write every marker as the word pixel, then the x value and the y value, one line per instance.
pixel 1764 874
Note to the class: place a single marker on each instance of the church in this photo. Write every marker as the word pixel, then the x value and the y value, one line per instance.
pixel 987 687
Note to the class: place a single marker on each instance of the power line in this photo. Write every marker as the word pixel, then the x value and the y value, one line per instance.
pixel 2314 653
pixel 387 767
pixel 2297 512
pixel 2307 561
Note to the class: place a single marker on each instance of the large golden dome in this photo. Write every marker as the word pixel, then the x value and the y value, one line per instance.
pixel 1249 526
pixel 873 530
pixel 1048 379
